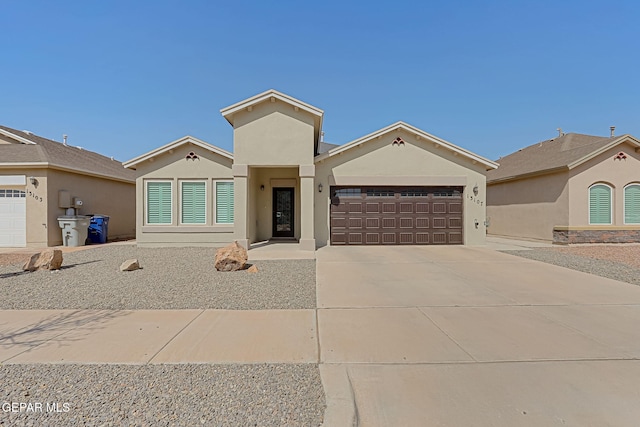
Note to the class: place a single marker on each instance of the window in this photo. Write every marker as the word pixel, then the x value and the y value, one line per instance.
pixel 632 204
pixel 12 193
pixel 159 202
pixel 194 202
pixel 347 192
pixel 380 192
pixel 224 202
pixel 600 204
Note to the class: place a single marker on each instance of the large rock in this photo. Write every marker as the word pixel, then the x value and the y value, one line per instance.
pixel 49 259
pixel 130 265
pixel 232 257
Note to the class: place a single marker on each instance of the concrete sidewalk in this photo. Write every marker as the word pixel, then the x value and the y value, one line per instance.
pixel 158 336
pixel 404 336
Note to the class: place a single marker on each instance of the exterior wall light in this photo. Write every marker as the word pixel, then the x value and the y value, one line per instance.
pixel 475 190
pixel 33 180
pixel 262 187
pixel 320 188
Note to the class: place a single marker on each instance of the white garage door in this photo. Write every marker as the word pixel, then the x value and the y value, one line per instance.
pixel 13 218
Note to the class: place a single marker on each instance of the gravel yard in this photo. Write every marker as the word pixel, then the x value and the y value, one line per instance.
pixel 170 278
pixel 163 395
pixel 618 262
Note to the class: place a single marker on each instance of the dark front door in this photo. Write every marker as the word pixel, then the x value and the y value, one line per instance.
pixel 283 212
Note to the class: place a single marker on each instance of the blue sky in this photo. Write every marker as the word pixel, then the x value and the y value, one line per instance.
pixel 124 77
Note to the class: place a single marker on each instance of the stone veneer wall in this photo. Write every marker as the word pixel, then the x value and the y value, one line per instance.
pixel 566 236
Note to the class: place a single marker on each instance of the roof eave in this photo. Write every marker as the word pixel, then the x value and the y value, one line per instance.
pixel 489 165
pixel 228 112
pixel 621 139
pixel 16 137
pixel 46 165
pixel 174 144
pixel 527 175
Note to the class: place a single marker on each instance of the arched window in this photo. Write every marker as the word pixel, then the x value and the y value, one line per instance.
pixel 600 204
pixel 632 204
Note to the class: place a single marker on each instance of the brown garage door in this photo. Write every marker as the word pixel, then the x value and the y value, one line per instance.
pixel 396 215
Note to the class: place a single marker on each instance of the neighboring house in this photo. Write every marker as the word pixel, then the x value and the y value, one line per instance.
pixel 571 189
pixel 38 176
pixel 398 185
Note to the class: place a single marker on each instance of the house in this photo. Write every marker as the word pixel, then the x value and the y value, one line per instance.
pixel 41 178
pixel 398 185
pixel 571 189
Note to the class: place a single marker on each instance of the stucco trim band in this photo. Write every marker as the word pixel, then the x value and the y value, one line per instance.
pixel 398 180
pixel 182 229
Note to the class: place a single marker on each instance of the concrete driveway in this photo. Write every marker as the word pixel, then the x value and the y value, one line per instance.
pixel 455 336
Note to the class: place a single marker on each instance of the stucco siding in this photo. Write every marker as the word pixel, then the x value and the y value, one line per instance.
pixel 604 168
pixel 528 208
pixel 175 167
pixel 416 162
pixel 99 196
pixel 273 134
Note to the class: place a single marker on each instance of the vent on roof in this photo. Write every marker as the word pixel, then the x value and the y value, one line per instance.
pixel 613 131
pixel 64 139
pixel 79 148
pixel 28 132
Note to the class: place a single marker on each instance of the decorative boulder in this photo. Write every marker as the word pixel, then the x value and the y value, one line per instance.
pixel 252 269
pixel 130 265
pixel 232 257
pixel 49 259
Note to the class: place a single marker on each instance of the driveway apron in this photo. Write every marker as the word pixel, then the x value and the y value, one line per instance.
pixel 459 335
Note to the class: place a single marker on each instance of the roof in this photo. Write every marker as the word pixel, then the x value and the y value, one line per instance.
pixel 267 95
pixel 418 133
pixel 175 144
pixel 323 147
pixel 564 152
pixel 35 151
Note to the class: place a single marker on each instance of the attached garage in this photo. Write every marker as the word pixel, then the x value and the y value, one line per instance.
pixel 399 215
pixel 13 218
pixel 400 186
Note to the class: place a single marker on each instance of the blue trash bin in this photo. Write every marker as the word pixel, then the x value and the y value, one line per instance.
pixel 98 229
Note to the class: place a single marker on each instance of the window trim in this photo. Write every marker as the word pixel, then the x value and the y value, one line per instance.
pixel 206 203
pixel 624 203
pixel 214 196
pixel 611 188
pixel 146 202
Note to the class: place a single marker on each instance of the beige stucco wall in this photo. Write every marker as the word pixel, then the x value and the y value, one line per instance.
pixel 273 134
pixel 175 167
pixel 100 196
pixel 528 208
pixel 261 202
pixel 114 199
pixel 417 162
pixel 602 169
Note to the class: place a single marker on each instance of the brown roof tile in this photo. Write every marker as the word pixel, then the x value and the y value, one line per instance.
pixel 65 156
pixel 547 155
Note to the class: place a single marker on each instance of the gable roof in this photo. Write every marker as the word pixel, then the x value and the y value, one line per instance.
pixel 227 112
pixel 36 151
pixel 564 152
pixel 488 164
pixel 175 144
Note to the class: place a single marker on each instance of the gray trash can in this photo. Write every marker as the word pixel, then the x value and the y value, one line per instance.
pixel 74 229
